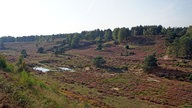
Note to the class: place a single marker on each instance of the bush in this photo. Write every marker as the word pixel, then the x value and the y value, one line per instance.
pixel 124 67
pixel 99 47
pixel 127 46
pixel 10 68
pixel 150 62
pixel 6 66
pixel 24 53
pixel 40 50
pixel 115 43
pixel 21 66
pixel 98 61
pixel 26 79
pixel 3 63
pixel 190 77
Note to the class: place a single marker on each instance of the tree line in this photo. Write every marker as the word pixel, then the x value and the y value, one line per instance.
pixel 118 34
pixel 178 39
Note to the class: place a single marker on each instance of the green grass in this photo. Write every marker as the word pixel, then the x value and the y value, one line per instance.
pixel 28 91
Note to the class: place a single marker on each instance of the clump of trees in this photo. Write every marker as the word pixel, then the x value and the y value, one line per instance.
pixel 98 61
pixel 75 41
pixel 150 62
pixel 108 35
pixel 181 46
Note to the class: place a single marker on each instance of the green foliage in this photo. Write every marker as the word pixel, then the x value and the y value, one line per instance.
pixel 152 30
pixel 180 42
pixel 75 41
pixel 174 33
pixel 138 30
pixel 3 63
pixel 181 47
pixel 98 61
pixel 185 49
pixel 99 47
pixel 59 51
pixel 10 68
pixel 150 62
pixel 190 77
pixel 99 40
pixel 189 30
pixel 127 46
pixel 115 34
pixel 26 79
pixel 123 34
pixel 108 34
pixel 40 50
pixel 21 66
pixel 24 53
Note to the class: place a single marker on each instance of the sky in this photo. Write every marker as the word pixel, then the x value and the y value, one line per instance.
pixel 43 17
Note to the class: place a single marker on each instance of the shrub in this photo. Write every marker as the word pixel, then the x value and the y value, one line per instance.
pixel 6 66
pixel 98 61
pixel 10 68
pixel 127 46
pixel 150 62
pixel 99 47
pixel 124 67
pixel 190 77
pixel 26 79
pixel 3 63
pixel 40 50
pixel 115 43
pixel 24 53
pixel 21 66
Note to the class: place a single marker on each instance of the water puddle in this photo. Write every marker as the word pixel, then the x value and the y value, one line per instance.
pixel 66 69
pixel 60 69
pixel 42 69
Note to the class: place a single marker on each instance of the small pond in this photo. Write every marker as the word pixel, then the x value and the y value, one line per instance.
pixel 42 69
pixel 66 69
pixel 60 69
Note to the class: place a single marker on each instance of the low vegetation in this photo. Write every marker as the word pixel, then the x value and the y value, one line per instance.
pixel 40 50
pixel 98 61
pixel 123 75
pixel 24 53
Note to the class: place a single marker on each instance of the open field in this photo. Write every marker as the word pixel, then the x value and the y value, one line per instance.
pixel 111 86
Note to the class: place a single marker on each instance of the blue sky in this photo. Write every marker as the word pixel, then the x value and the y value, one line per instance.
pixel 30 17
